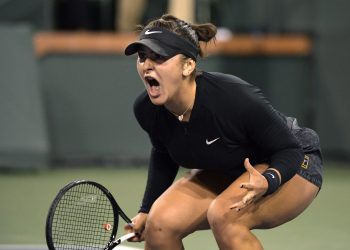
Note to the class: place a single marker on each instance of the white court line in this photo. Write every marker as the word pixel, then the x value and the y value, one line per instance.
pixel 43 247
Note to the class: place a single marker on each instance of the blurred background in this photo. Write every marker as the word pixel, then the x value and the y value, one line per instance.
pixel 67 91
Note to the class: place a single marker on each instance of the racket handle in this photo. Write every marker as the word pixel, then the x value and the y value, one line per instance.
pixel 121 239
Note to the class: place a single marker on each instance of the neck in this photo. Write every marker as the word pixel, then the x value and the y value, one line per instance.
pixel 183 105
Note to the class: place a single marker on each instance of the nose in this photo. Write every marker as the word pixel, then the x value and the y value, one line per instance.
pixel 148 64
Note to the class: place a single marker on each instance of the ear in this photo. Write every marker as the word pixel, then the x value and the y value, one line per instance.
pixel 188 67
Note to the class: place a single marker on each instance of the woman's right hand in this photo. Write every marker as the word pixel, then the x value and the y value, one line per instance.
pixel 137 226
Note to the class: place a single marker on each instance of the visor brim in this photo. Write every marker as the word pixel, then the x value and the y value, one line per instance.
pixel 154 45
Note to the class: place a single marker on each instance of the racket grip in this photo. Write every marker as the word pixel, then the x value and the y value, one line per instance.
pixel 131 224
pixel 121 239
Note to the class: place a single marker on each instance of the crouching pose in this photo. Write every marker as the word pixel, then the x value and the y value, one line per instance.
pixel 250 166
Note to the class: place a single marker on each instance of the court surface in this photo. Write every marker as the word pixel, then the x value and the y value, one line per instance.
pixel 26 196
pixel 43 247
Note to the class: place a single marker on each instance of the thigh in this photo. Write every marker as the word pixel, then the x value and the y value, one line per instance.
pixel 285 204
pixel 183 207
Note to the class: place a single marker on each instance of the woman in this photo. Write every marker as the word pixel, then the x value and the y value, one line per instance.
pixel 251 166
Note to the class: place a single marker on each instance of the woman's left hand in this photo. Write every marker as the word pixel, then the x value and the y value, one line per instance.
pixel 256 187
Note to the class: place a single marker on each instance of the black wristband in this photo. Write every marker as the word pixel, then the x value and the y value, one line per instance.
pixel 273 180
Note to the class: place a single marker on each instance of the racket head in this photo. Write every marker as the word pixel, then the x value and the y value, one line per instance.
pixel 83 215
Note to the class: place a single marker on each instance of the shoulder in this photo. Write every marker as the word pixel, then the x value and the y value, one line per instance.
pixel 145 111
pixel 230 85
pixel 222 77
pixel 230 91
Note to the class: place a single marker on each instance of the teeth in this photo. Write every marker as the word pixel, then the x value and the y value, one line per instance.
pixel 157 87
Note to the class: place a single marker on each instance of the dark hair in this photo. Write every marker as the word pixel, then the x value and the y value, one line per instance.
pixel 194 33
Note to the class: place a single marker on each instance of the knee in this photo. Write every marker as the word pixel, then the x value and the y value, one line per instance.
pixel 219 214
pixel 230 230
pixel 161 226
pixel 227 225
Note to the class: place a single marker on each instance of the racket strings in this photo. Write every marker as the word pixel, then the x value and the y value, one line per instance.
pixel 80 219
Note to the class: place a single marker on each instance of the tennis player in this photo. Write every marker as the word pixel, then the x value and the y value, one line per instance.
pixel 251 167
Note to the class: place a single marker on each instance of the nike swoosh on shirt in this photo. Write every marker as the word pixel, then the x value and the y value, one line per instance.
pixel 212 141
pixel 152 32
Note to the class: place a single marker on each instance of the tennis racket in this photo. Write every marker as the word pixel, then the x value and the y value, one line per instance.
pixel 84 215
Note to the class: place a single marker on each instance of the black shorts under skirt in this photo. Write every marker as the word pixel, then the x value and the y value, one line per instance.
pixel 312 167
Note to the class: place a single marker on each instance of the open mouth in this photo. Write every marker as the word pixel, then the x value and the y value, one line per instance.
pixel 153 87
pixel 151 81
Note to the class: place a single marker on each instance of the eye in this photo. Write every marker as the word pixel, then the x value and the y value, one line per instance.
pixel 158 58
pixel 142 56
pixel 151 56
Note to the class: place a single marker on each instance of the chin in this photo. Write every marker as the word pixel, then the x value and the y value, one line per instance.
pixel 157 100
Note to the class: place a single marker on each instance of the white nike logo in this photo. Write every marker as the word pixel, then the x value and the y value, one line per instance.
pixel 152 32
pixel 212 141
pixel 273 177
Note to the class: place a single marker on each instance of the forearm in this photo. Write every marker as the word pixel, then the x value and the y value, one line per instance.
pixel 161 174
pixel 282 168
pixel 286 162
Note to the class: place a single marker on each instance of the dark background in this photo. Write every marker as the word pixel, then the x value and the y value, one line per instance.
pixel 77 109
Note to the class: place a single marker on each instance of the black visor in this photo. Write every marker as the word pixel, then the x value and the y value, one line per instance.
pixel 164 43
